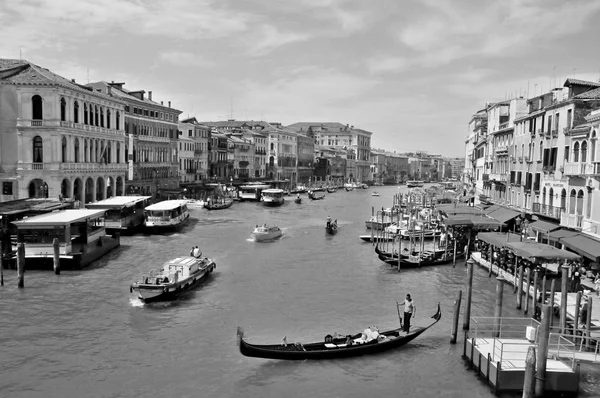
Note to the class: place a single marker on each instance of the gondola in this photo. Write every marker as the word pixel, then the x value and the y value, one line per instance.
pixel 298 200
pixel 331 190
pixel 426 261
pixel 316 197
pixel 331 347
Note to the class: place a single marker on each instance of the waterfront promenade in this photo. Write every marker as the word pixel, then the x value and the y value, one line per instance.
pixel 81 334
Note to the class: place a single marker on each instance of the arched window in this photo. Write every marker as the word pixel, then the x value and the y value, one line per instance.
pixel 64 149
pixel 85 150
pixel 580 202
pixel 551 197
pixel 63 110
pixel 85 113
pixel 593 147
pixel 563 199
pixel 76 112
pixel 37 112
pixel 38 150
pixel 126 153
pixel 576 152
pixel 588 210
pixel 95 122
pixel 541 150
pixel 101 117
pixel 76 150
pixel 118 123
pixel 118 152
pixel 108 118
pixel 572 203
pixel 584 152
pixel 273 146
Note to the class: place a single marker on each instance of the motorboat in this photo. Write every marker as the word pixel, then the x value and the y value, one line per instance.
pixel 174 278
pixel 218 203
pixel 415 183
pixel 193 203
pixel 166 215
pixel 265 233
pixel 273 197
pixel 375 193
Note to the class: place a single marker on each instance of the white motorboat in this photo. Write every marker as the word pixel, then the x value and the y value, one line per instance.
pixel 265 233
pixel 375 193
pixel 193 203
pixel 273 197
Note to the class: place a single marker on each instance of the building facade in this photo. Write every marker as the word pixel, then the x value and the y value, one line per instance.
pixel 200 133
pixel 152 134
pixel 58 138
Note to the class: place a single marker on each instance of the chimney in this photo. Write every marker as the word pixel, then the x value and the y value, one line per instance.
pixel 109 90
pixel 73 80
pixel 161 102
pixel 150 95
pixel 169 104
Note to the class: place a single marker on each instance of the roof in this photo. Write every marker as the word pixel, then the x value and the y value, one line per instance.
pixel 583 244
pixel 544 226
pixel 327 125
pixel 117 201
pixel 118 91
pixel 503 214
pixel 570 82
pixel 592 94
pixel 474 221
pixel 272 190
pixel 562 233
pixel 525 248
pixel 182 261
pixel 167 205
pixel 25 205
pixel 61 217
pixel 450 209
pixel 20 71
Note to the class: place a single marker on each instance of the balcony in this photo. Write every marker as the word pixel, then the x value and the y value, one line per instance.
pixel 119 167
pixel 571 220
pixel 547 210
pixel 582 169
pixel 502 150
pixel 500 177
pixel 520 159
pixel 549 169
pixel 198 152
pixel 503 126
pixel 554 133
pixel 191 171
pixel 528 159
pixel 32 166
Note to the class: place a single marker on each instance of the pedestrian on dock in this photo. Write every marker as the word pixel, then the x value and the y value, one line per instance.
pixel 597 284
pixel 410 310
pixel 583 313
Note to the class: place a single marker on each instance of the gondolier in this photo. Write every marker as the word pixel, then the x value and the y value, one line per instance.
pixel 410 310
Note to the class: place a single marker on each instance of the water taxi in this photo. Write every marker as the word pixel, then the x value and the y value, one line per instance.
pixel 168 214
pixel 375 193
pixel 415 184
pixel 194 203
pixel 81 238
pixel 123 213
pixel 265 232
pixel 273 197
pixel 251 192
pixel 176 276
pixel 218 203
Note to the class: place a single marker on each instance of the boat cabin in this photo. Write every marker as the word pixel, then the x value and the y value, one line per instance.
pixel 273 193
pixel 251 191
pixel 81 235
pixel 167 213
pixel 122 212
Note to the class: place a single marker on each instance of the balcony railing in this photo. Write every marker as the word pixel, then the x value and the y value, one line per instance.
pixel 571 220
pixel 93 166
pixel 498 177
pixel 503 126
pixel 198 152
pixel 528 159
pixel 32 166
pixel 582 169
pixel 547 210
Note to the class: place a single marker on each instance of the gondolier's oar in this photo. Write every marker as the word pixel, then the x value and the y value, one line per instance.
pixel 398 305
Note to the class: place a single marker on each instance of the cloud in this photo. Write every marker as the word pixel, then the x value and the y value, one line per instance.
pixel 388 64
pixel 268 38
pixel 186 59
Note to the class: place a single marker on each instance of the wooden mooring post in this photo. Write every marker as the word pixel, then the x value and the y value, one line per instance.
pixel 21 265
pixel 520 288
pixel 527 286
pixel 529 380
pixel 467 317
pixel 543 291
pixel 563 297
pixel 1 261
pixel 498 307
pixel 56 263
pixel 588 322
pixel 576 314
pixel 456 316
pixel 535 292
pixel 542 354
pixel 551 301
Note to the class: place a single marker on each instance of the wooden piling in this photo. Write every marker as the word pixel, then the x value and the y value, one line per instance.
pixel 563 297
pixel 588 322
pixel 498 307
pixel 56 264
pixel 456 317
pixel 529 380
pixel 576 314
pixel 535 291
pixel 21 265
pixel 467 317
pixel 454 258
pixel 542 354
pixel 543 291
pixel 1 261
pixel 491 260
pixel 527 286
pixel 518 269
pixel 551 300
pixel 520 288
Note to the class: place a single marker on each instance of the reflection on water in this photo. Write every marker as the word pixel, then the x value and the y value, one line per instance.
pixel 83 334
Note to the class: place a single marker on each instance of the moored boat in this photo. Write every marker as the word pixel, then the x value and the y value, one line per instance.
pixel 193 203
pixel 298 200
pixel 415 183
pixel 265 232
pixel 370 341
pixel 123 213
pixel 377 224
pixel 331 190
pixel 176 276
pixel 375 193
pixel 312 196
pixel 273 197
pixel 219 203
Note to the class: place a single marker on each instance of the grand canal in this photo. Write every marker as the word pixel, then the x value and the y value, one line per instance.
pixel 81 334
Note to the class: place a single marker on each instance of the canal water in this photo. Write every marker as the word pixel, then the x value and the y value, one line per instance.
pixel 81 334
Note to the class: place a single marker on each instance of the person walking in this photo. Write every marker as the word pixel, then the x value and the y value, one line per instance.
pixel 597 284
pixel 410 310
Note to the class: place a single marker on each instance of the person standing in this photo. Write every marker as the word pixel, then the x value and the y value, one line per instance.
pixel 410 310
pixel 597 284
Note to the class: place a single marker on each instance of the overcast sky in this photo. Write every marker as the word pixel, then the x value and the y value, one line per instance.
pixel 412 72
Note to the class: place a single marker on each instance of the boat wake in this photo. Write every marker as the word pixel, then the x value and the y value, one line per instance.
pixel 136 302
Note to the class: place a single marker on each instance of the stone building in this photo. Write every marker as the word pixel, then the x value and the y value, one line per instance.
pixel 58 138
pixel 200 133
pixel 152 133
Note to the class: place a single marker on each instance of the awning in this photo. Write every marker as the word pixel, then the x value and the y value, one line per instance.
pixel 584 245
pixel 562 233
pixel 473 221
pixel 498 239
pixel 461 210
pixel 544 226
pixel 466 198
pixel 526 248
pixel 491 209
pixel 504 214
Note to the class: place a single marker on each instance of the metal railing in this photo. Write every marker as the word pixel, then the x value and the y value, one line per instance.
pixel 547 210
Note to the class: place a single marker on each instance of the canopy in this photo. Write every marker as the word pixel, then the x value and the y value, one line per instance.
pixel 491 209
pixel 460 210
pixel 562 233
pixel 473 221
pixel 544 226
pixel 583 244
pixel 526 248
pixel 503 214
